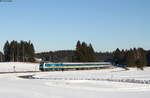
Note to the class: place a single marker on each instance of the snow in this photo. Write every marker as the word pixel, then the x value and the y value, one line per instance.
pixel 18 66
pixel 71 84
pixel 115 73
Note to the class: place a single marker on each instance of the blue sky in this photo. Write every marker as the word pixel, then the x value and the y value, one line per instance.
pixel 58 24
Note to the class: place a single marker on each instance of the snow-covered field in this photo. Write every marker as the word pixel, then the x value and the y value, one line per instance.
pixel 17 66
pixel 72 84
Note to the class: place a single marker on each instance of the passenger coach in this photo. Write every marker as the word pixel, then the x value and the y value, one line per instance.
pixel 73 66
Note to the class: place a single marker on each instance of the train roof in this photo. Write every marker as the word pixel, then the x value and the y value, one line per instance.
pixel 78 63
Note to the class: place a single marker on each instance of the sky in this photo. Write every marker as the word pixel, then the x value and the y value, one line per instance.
pixel 58 24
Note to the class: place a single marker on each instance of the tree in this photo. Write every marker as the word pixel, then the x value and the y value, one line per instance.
pixel 77 52
pixel 6 51
pixel 1 57
pixel 148 58
pixel 142 57
pixel 117 56
pixel 92 56
pixel 84 52
pixel 139 64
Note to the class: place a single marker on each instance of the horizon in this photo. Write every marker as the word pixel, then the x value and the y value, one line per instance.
pixel 58 25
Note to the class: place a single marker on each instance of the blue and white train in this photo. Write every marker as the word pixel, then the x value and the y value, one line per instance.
pixel 73 66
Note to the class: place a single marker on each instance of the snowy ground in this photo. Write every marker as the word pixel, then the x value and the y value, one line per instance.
pixel 72 84
pixel 17 66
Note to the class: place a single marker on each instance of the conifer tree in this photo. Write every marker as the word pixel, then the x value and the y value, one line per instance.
pixel 117 56
pixel 84 53
pixel 6 51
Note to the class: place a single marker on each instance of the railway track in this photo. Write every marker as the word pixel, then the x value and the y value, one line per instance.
pixel 94 79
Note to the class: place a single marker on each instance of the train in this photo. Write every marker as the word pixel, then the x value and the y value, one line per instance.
pixel 49 66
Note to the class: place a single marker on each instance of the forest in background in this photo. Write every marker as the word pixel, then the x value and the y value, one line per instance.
pixel 82 53
pixel 24 51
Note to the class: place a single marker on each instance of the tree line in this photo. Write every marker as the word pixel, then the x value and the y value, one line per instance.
pixel 22 51
pixel 136 57
pixel 82 53
pixel 57 56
